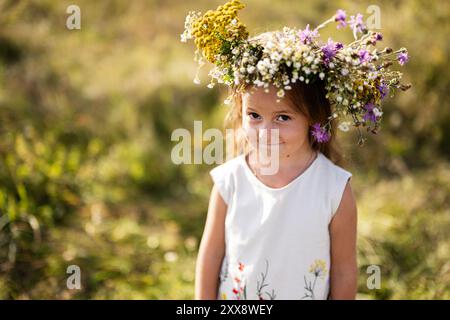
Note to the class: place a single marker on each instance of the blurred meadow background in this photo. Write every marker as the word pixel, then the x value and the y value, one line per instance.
pixel 86 178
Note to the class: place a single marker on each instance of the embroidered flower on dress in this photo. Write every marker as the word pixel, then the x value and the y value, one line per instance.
pixel 318 268
pixel 240 288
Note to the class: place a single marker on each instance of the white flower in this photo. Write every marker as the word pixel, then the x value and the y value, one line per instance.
pixel 344 126
pixel 258 83
pixel 377 112
pixel 287 51
pixel 344 72
pixel 227 101
pixel 372 75
pixel 280 93
pixel 261 66
pixel 188 25
pixel 321 75
pixel 275 56
pixel 251 69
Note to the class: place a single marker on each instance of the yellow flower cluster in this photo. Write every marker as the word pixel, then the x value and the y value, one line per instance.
pixel 215 27
pixel 366 88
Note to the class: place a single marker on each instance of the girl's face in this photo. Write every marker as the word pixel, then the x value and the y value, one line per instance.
pixel 260 110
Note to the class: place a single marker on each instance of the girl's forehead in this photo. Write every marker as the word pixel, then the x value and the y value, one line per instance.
pixel 266 101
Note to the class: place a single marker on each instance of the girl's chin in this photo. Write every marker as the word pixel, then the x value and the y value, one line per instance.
pixel 275 145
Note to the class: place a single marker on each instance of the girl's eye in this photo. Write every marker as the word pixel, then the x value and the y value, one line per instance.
pixel 254 115
pixel 284 117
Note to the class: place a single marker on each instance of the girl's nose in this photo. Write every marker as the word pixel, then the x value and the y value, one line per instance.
pixel 268 135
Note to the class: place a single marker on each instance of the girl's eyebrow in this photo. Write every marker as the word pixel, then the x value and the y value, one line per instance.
pixel 284 111
pixel 279 111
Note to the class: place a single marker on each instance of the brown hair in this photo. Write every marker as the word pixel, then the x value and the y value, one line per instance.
pixel 307 99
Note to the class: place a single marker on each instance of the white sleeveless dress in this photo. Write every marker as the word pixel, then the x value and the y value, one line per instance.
pixel 277 239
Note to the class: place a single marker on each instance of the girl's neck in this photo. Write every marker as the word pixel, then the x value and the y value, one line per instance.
pixel 298 160
pixel 290 166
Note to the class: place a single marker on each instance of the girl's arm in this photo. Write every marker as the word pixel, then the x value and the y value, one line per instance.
pixel 344 270
pixel 212 249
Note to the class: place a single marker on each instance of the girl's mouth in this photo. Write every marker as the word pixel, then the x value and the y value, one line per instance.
pixel 271 144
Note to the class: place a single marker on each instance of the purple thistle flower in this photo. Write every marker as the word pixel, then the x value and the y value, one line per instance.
pixel 340 17
pixel 319 133
pixel 307 36
pixel 329 50
pixel 370 114
pixel 384 90
pixel 377 36
pixel 402 58
pixel 357 24
pixel 364 56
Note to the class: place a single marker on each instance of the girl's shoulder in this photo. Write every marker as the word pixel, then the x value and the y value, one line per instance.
pixel 332 170
pixel 224 175
pixel 227 168
pixel 334 180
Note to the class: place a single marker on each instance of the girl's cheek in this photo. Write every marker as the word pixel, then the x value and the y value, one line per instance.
pixel 293 133
pixel 249 130
pixel 247 125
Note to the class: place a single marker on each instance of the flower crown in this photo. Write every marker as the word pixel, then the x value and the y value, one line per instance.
pixel 357 78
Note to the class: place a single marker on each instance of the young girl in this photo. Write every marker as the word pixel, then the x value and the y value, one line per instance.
pixel 290 233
